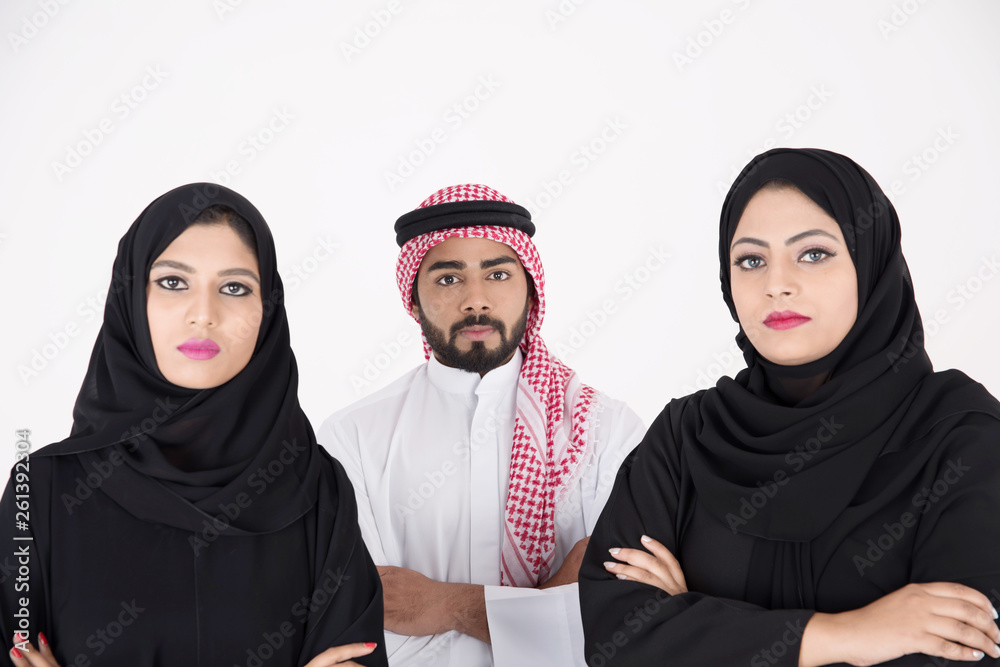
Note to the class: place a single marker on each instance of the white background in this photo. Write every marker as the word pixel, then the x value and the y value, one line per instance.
pixel 878 80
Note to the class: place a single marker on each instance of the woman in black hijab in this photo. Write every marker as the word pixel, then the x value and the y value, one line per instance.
pixel 836 502
pixel 190 517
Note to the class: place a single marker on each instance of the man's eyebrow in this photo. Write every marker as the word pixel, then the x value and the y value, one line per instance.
pixel 453 264
pixel 490 263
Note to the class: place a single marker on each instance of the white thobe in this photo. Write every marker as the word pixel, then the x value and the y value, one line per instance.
pixel 429 457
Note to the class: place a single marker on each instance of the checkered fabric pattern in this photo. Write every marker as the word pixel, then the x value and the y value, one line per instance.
pixel 548 450
pixel 468 192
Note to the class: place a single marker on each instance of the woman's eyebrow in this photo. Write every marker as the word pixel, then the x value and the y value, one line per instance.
pixel 790 241
pixel 811 232
pixel 170 264
pixel 240 272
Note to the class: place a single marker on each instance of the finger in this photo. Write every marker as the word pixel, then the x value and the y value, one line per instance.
pixel 950 589
pixel 337 654
pixel 665 556
pixel 625 571
pixel 959 611
pixel 963 634
pixel 644 560
pixel 965 612
pixel 45 650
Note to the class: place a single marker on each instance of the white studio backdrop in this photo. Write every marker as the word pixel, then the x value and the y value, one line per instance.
pixel 620 125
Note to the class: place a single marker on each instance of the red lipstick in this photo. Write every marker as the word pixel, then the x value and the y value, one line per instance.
pixel 785 319
pixel 199 350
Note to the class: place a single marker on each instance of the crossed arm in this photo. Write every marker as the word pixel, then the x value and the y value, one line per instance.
pixel 416 605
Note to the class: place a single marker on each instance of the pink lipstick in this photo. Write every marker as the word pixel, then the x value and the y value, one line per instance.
pixel 199 350
pixel 785 319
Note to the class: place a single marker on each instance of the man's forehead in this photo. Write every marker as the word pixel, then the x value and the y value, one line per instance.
pixel 470 251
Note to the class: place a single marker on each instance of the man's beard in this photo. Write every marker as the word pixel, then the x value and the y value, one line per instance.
pixel 477 359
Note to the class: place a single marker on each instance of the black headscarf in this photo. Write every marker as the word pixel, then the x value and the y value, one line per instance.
pixel 178 454
pixel 880 396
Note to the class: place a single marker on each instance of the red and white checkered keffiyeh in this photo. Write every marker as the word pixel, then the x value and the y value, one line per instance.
pixel 548 449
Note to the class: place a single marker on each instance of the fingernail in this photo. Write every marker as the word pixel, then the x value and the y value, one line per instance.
pixel 609 565
pixel 995 615
pixel 14 652
pixel 646 538
pixel 18 638
pixel 614 550
pixel 978 655
pixel 621 576
pixel 42 640
pixel 370 644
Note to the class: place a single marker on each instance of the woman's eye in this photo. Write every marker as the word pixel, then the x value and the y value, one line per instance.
pixel 236 289
pixel 749 262
pixel 814 255
pixel 172 283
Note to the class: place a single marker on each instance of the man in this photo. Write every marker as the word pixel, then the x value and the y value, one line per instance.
pixel 480 473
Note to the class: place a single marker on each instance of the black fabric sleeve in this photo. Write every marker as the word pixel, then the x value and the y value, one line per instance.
pixel 632 624
pixel 958 532
pixel 348 576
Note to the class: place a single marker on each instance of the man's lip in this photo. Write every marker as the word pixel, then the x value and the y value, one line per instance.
pixel 785 319
pixel 477 332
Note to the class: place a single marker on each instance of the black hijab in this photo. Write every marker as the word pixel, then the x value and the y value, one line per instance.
pixel 881 395
pixel 243 437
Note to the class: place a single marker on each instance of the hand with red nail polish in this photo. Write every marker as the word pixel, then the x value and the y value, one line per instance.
pixel 341 655
pixel 24 653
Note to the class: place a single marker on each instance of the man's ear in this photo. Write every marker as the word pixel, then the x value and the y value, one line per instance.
pixel 414 302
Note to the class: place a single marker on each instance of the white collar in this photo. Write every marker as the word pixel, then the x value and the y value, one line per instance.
pixel 457 381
